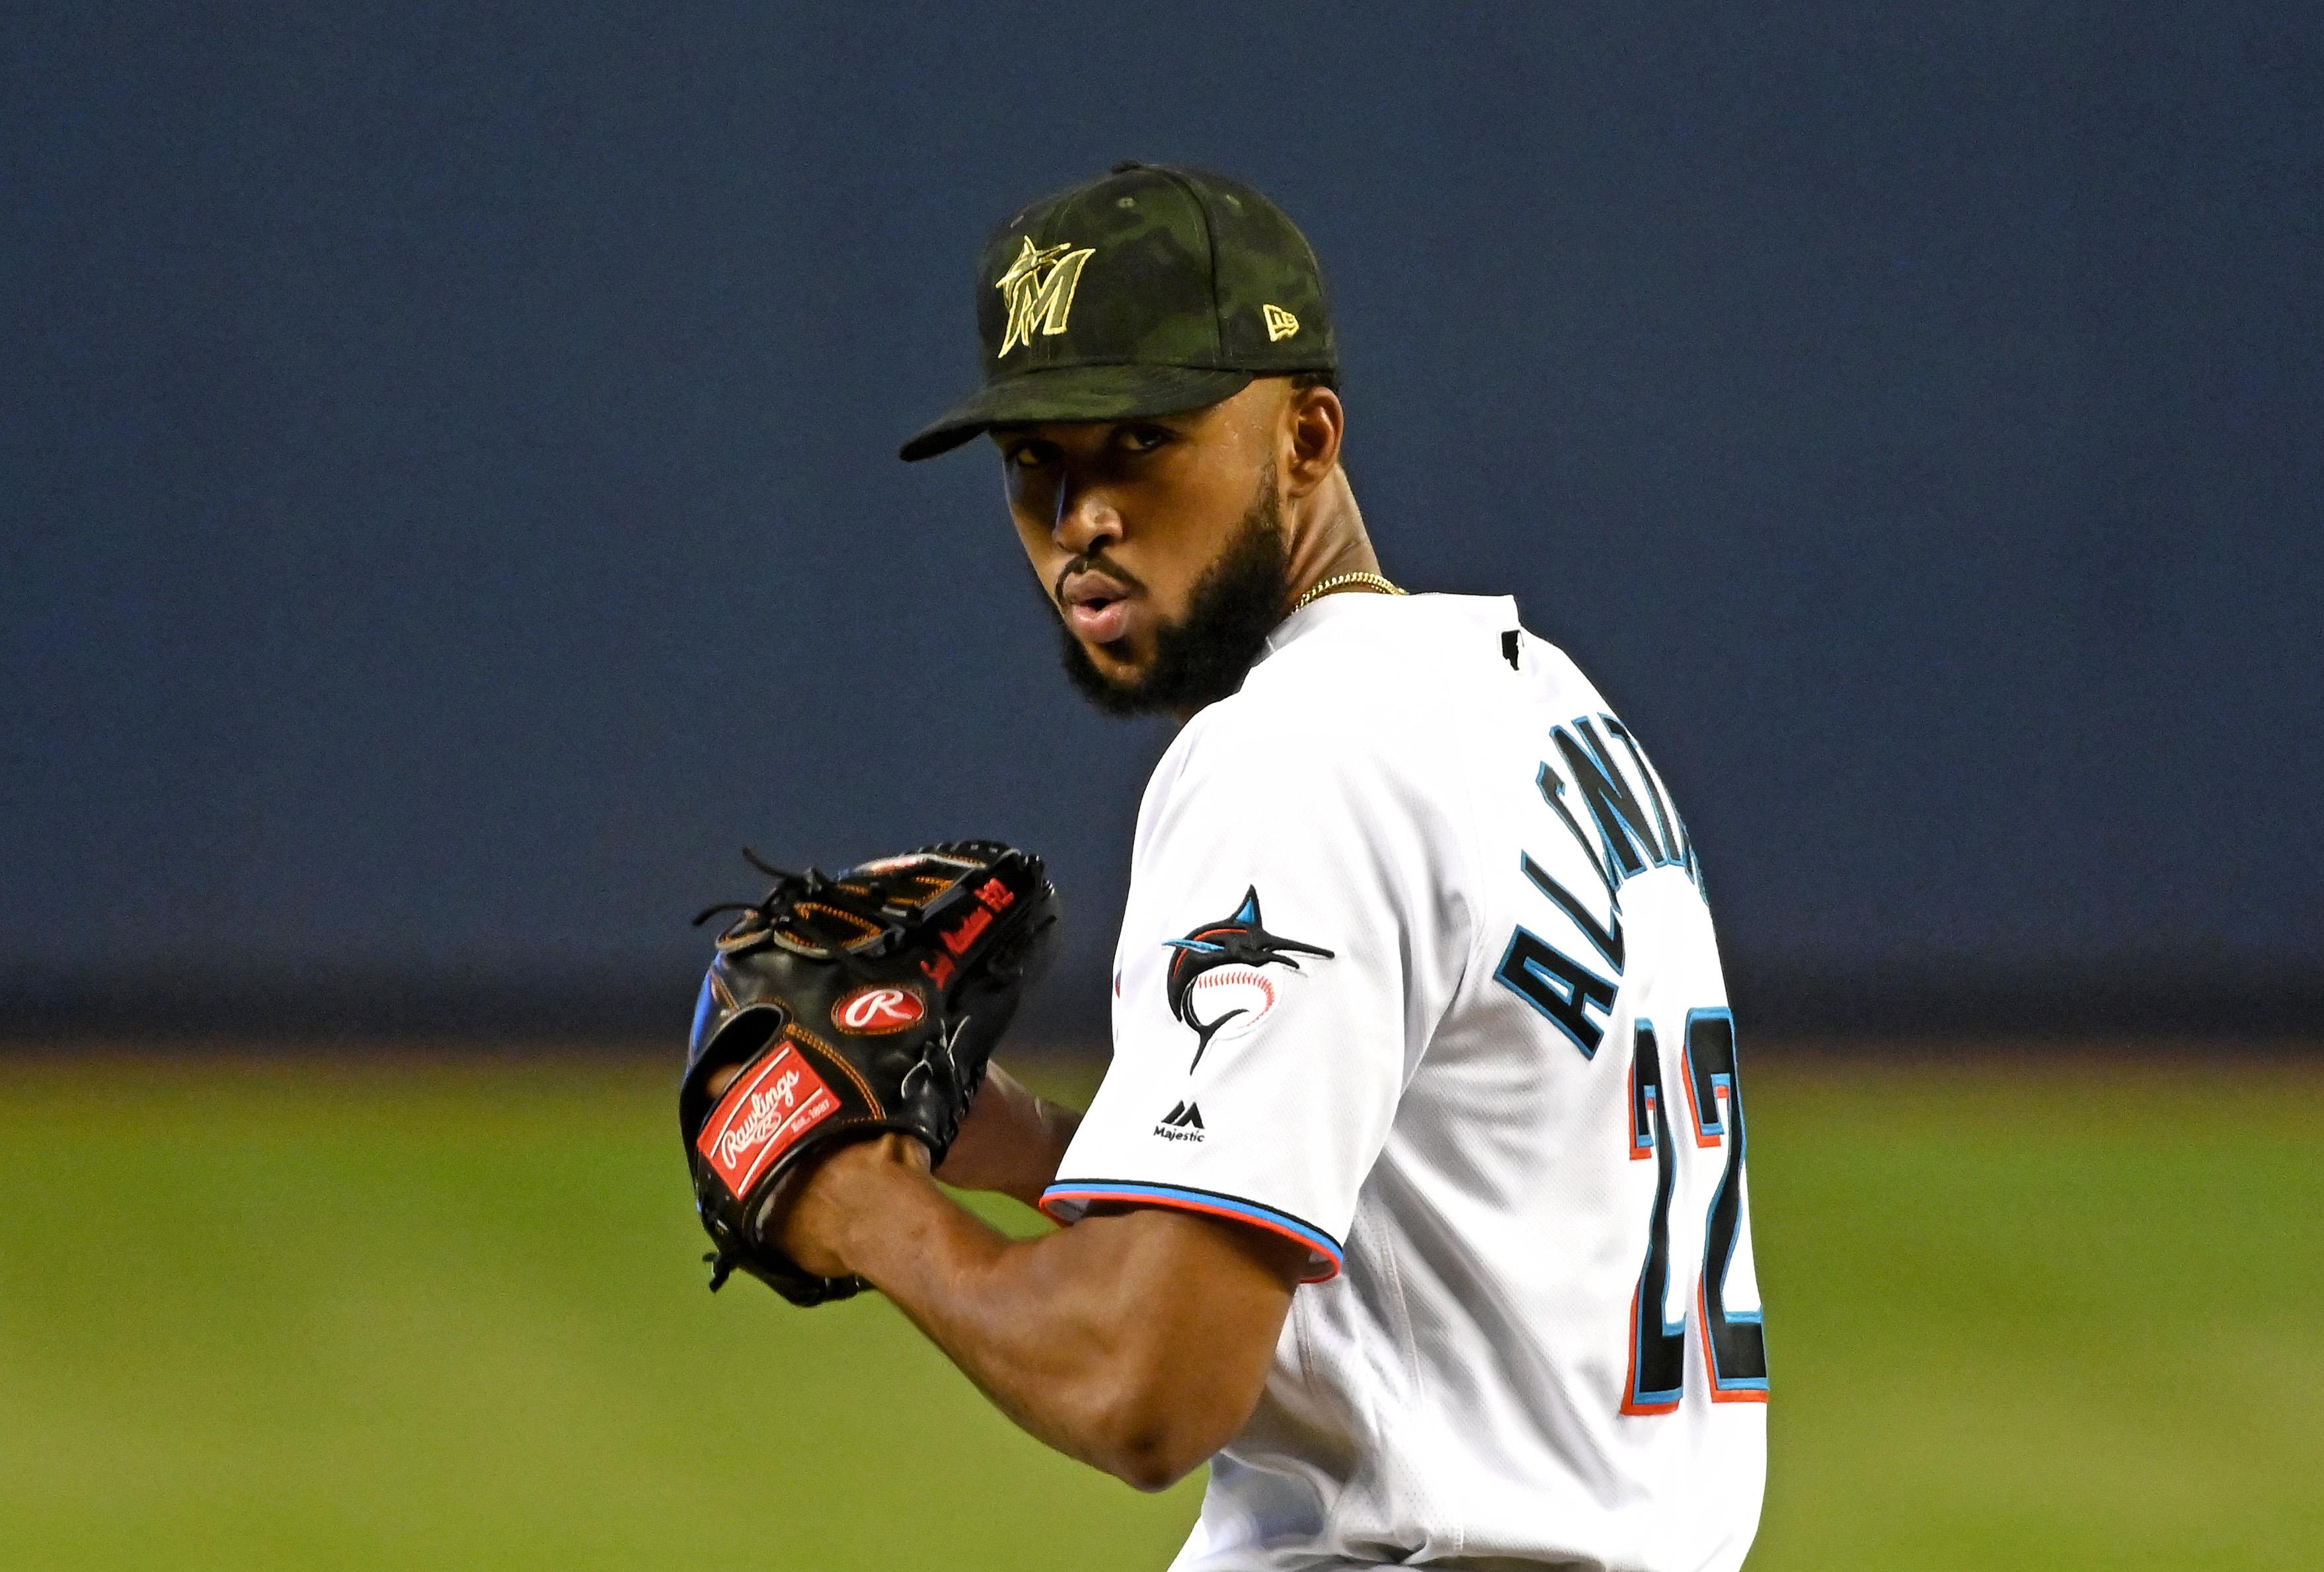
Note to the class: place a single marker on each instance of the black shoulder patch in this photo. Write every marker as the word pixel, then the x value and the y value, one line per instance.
pixel 1509 649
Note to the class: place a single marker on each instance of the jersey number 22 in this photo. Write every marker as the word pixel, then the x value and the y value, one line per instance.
pixel 1734 1342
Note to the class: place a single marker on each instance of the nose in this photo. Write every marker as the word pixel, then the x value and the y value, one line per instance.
pixel 1085 519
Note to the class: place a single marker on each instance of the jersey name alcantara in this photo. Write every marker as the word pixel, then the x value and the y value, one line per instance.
pixel 1416 968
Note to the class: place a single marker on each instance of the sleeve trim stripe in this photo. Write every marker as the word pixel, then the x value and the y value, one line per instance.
pixel 1078 1193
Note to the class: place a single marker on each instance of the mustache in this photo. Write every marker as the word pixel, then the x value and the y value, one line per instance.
pixel 1093 562
pixel 1204 654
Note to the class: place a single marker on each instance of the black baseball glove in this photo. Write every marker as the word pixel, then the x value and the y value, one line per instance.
pixel 855 1002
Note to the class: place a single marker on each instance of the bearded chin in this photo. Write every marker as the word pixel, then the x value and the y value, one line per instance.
pixel 1205 655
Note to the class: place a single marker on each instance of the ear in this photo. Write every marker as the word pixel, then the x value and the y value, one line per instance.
pixel 1309 450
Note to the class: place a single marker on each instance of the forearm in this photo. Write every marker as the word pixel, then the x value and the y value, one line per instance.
pixel 1137 1342
pixel 1042 1339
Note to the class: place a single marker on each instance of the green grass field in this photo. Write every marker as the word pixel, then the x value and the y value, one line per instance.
pixel 415 1313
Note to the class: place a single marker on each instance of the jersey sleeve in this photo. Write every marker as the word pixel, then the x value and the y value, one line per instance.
pixel 1287 946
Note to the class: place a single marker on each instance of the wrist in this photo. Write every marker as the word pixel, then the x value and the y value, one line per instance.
pixel 869 1192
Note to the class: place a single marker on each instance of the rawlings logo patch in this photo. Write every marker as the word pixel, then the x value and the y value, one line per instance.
pixel 877 1010
pixel 762 1115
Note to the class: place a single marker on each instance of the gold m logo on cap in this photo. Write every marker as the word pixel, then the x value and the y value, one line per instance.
pixel 1039 288
pixel 1280 324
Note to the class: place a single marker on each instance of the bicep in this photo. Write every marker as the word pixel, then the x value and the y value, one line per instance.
pixel 1232 1261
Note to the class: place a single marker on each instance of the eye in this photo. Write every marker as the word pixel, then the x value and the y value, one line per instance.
pixel 1143 438
pixel 1029 454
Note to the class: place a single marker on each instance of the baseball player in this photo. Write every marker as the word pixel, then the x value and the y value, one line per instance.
pixel 1414 1200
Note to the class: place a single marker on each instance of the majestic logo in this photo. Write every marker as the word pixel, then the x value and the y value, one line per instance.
pixel 878 1009
pixel 1220 963
pixel 761 1117
pixel 1039 288
pixel 1280 324
pixel 1184 1122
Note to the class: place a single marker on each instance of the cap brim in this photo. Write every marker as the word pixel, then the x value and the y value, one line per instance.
pixel 1079 392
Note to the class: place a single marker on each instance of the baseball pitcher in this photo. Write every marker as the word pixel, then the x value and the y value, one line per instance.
pixel 1415 1200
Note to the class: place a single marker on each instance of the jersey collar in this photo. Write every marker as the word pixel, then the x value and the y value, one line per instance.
pixel 1500 610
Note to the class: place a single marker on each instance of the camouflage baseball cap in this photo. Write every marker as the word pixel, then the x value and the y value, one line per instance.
pixel 1153 290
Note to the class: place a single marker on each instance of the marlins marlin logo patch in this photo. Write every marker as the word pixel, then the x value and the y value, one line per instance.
pixel 1216 980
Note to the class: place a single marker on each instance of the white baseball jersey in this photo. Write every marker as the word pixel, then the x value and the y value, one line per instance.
pixel 1416 969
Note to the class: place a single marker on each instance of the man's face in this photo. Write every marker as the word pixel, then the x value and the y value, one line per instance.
pixel 1159 542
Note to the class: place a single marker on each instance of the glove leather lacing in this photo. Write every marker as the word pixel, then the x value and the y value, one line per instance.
pixel 795 892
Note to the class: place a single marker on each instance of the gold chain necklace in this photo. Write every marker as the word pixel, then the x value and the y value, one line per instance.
pixel 1371 581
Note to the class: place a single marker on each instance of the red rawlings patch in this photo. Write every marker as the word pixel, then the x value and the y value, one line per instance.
pixel 773 1103
pixel 878 1009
